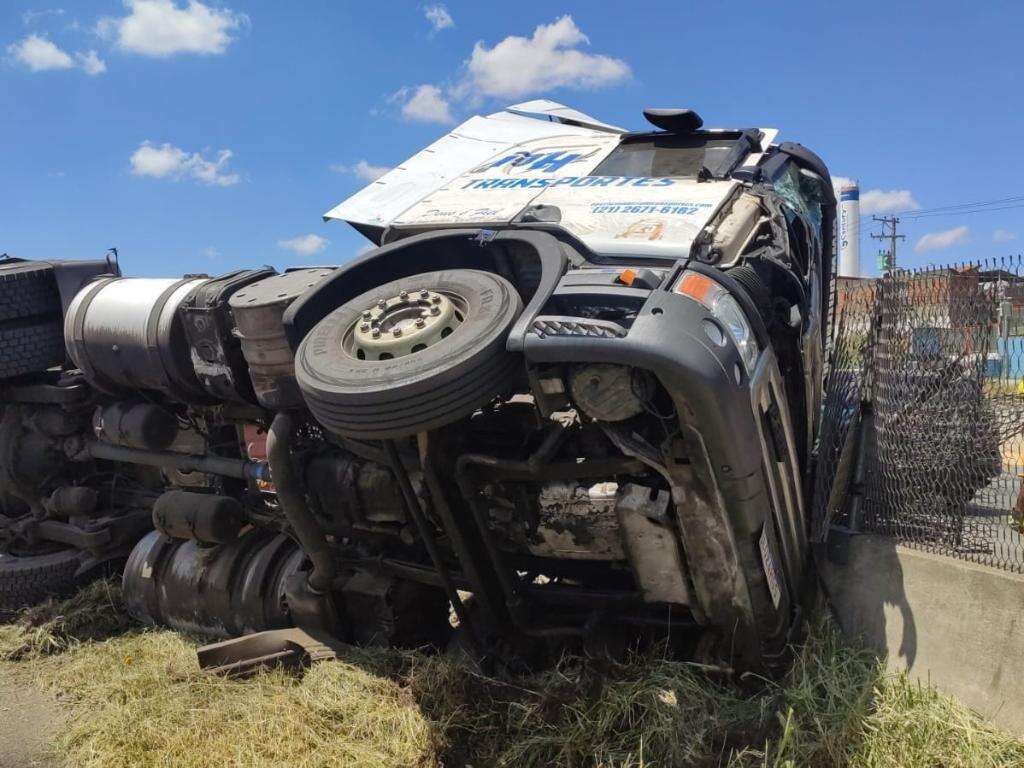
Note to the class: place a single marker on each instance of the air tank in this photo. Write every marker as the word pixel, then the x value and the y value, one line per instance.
pixel 849 229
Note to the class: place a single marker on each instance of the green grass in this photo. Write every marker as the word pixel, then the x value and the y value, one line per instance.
pixel 138 699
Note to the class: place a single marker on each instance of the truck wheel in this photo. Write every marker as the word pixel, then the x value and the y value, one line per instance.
pixel 28 290
pixel 25 581
pixel 411 355
pixel 30 346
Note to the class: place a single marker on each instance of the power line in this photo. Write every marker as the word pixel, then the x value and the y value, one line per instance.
pixel 928 215
pixel 959 206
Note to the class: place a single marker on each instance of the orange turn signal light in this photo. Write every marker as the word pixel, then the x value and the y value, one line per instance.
pixel 697 287
pixel 627 276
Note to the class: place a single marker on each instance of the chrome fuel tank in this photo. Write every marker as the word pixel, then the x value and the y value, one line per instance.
pixel 125 333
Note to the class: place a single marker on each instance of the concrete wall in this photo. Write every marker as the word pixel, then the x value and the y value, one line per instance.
pixel 957 625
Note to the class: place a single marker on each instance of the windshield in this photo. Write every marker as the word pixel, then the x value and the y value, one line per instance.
pixel 667 155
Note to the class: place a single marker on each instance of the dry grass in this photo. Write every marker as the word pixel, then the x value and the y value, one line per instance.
pixel 139 700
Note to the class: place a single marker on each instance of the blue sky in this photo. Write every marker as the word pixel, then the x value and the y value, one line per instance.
pixel 204 137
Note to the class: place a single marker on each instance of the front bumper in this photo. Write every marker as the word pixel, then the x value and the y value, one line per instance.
pixel 733 469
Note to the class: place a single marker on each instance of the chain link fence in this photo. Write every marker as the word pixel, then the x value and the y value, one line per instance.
pixel 923 425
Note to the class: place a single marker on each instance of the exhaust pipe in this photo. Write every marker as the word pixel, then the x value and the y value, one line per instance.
pixel 293 503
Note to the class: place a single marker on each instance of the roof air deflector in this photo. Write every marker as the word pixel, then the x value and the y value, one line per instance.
pixel 674 120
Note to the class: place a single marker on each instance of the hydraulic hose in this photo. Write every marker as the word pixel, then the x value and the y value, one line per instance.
pixel 293 502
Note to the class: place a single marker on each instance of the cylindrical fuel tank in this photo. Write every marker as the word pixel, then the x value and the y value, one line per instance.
pixel 258 309
pixel 223 591
pixel 125 333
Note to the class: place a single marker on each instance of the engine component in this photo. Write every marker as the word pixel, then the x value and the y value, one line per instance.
pixel 577 522
pixel 349 491
pixel 27 454
pixel 388 612
pixel 652 544
pixel 609 392
pixel 258 309
pixel 201 516
pixel 136 425
pixel 215 350
pixel 221 591
pixel 441 379
pixel 71 501
pixel 734 230
pixel 126 334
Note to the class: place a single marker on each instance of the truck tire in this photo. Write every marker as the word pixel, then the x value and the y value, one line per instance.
pixel 28 290
pixel 25 581
pixel 367 389
pixel 30 346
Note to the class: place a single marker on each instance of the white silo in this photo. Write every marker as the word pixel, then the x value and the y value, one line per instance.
pixel 849 229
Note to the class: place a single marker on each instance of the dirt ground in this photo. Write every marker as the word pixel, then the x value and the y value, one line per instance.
pixel 29 719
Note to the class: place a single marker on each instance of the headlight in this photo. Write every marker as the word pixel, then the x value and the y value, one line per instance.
pixel 720 303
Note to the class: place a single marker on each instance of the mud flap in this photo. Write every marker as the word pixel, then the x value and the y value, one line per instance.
pixel 292 648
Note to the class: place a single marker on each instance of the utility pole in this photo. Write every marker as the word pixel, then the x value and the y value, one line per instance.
pixel 888 233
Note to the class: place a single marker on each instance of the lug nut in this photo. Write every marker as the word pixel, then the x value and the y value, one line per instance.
pixel 382 304
pixel 436 300
pixel 364 327
pixel 367 315
pixel 403 294
pixel 435 310
pixel 424 294
pixel 420 322
pixel 397 332
pixel 376 333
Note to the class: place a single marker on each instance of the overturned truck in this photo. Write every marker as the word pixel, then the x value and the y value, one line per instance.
pixel 571 393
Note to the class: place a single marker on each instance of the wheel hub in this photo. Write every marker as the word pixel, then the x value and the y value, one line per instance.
pixel 404 324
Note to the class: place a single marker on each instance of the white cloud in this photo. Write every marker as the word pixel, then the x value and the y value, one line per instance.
pixel 936 241
pixel 210 253
pixel 91 63
pixel 304 245
pixel 516 66
pixel 168 161
pixel 1003 236
pixel 426 104
pixel 361 170
pixel 887 201
pixel 438 17
pixel 29 18
pixel 549 59
pixel 162 28
pixel 39 54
